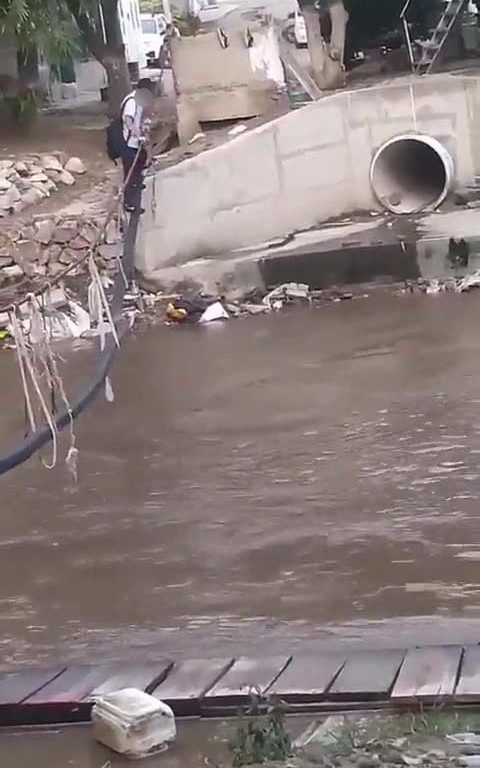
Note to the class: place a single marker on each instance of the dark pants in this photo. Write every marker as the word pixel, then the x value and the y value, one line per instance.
pixel 133 189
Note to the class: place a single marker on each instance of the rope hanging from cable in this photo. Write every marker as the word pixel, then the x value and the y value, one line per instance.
pixel 107 344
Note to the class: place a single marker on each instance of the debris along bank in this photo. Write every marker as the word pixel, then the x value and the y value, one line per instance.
pixel 202 308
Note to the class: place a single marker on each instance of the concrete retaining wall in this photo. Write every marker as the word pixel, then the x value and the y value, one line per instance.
pixel 301 169
pixel 227 83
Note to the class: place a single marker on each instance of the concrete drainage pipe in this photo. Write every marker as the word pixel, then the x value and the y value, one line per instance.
pixel 411 173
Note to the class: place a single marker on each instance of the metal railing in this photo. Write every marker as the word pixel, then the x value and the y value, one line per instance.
pixel 406 29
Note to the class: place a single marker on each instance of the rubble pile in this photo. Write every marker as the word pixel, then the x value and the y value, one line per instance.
pixel 30 180
pixel 436 285
pixel 44 248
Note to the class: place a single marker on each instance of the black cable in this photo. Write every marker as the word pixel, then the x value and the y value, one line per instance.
pixel 38 439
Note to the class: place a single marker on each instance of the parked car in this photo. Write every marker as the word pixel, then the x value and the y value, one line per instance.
pixel 154 30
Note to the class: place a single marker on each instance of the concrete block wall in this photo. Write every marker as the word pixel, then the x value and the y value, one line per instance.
pixel 300 169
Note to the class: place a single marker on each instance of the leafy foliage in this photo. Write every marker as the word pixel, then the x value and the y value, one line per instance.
pixel 151 6
pixel 260 735
pixel 46 24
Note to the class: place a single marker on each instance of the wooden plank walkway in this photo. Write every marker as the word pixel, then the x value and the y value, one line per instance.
pixel 207 687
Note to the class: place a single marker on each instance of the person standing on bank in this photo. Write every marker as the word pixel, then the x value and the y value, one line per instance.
pixel 136 110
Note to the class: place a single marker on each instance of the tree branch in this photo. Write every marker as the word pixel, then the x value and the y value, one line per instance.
pixel 87 29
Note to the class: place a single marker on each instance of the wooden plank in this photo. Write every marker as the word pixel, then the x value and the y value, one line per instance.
pixel 15 687
pixel 245 675
pixel 145 677
pixel 428 673
pixel 74 685
pixel 189 681
pixel 468 688
pixel 69 697
pixel 307 678
pixel 367 675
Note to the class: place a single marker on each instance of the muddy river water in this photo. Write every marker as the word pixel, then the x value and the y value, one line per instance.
pixel 279 482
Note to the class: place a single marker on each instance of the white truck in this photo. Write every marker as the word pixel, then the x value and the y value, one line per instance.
pixel 129 13
pixel 154 30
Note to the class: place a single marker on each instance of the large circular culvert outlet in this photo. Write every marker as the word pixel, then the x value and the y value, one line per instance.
pixel 411 173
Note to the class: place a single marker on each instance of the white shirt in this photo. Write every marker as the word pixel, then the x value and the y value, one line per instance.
pixel 133 110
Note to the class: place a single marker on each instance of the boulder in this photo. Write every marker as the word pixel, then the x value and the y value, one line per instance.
pixel 32 196
pixel 111 232
pixel 4 183
pixel 75 165
pixel 44 192
pixel 78 243
pixel 38 177
pixel 26 251
pixel 109 251
pixel 13 194
pixel 67 257
pixel 51 254
pixel 55 268
pixel 66 178
pixel 51 163
pixel 6 261
pixel 44 231
pixel 90 233
pixel 33 169
pixel 9 198
pixel 64 234
pixel 13 271
pixel 23 183
pixel 18 207
pixel 39 270
pixel 21 168
pixel 53 175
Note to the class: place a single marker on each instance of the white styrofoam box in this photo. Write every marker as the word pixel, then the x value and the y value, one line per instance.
pixel 133 723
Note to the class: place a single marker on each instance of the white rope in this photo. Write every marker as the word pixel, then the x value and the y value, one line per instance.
pixel 21 366
pixel 95 276
pixel 20 340
pixel 71 459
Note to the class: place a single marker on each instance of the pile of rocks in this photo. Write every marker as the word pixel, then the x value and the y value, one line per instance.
pixel 30 180
pixel 46 247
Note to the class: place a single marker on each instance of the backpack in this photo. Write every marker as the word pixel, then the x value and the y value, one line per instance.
pixel 115 141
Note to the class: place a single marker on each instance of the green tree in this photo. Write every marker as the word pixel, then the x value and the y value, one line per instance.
pixel 151 6
pixel 99 27
pixel 57 27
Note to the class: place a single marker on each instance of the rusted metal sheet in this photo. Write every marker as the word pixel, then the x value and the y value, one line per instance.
pixel 468 687
pixel 244 677
pixel 189 681
pixel 307 678
pixel 367 675
pixel 428 673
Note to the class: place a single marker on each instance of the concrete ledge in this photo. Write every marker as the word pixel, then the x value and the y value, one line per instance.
pixel 302 168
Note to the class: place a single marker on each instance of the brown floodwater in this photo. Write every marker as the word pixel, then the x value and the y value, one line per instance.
pixel 291 481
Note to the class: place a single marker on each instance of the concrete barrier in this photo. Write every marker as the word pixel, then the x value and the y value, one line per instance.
pixel 301 169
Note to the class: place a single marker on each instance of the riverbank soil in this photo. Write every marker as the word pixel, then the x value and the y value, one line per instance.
pixel 80 133
pixel 364 740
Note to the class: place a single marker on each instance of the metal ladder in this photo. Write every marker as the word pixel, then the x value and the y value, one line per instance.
pixel 432 47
